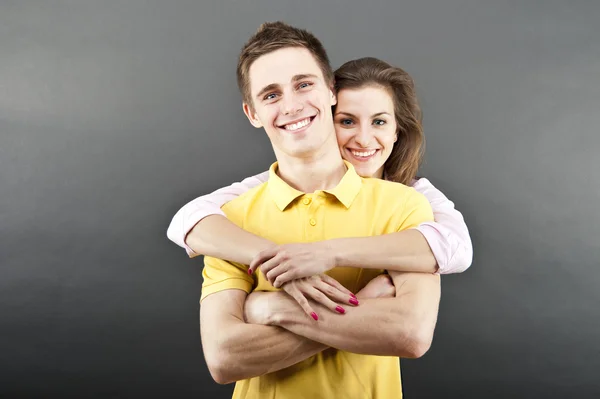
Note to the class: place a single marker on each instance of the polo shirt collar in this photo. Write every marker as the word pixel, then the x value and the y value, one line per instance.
pixel 283 194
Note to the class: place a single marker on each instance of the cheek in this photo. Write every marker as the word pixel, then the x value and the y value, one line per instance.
pixel 387 139
pixel 269 115
pixel 343 135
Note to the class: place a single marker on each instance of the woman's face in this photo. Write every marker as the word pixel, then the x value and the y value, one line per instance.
pixel 366 128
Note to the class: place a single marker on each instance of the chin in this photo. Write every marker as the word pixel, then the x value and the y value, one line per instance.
pixel 364 172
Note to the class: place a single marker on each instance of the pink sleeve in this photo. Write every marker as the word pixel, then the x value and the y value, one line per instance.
pixel 210 204
pixel 448 236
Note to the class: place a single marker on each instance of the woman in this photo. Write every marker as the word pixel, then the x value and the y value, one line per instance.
pixel 378 126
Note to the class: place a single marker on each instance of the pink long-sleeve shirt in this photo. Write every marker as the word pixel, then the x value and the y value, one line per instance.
pixel 448 236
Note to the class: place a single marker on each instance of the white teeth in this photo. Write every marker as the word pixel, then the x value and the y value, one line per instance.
pixel 297 125
pixel 363 153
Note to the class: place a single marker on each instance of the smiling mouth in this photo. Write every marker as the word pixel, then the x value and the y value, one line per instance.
pixel 362 155
pixel 298 125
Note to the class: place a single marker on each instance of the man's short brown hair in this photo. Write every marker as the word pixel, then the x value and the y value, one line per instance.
pixel 272 36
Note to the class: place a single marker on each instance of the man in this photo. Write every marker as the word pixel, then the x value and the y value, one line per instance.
pixel 312 194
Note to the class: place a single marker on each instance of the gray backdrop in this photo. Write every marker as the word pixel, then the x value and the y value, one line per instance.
pixel 114 114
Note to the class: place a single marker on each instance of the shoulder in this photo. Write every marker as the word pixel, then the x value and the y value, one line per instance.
pixel 240 204
pixel 386 190
pixel 399 205
pixel 425 187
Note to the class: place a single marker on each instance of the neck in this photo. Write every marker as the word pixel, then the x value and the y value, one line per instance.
pixel 321 170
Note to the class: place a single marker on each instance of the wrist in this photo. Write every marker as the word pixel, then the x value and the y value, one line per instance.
pixel 336 248
pixel 261 244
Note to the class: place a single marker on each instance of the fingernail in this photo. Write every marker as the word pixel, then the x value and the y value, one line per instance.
pixel 353 296
pixel 314 316
pixel 340 309
pixel 354 301
pixel 249 271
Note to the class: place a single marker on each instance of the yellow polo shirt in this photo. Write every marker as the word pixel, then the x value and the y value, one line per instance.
pixel 356 207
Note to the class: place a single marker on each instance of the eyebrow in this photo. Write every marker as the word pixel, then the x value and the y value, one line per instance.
pixel 372 116
pixel 295 78
pixel 267 88
pixel 304 76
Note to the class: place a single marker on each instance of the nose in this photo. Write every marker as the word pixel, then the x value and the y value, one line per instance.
pixel 291 105
pixel 363 136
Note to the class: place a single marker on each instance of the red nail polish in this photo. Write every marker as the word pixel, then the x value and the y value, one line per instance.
pixel 354 301
pixel 314 316
pixel 340 309
pixel 353 296
pixel 249 271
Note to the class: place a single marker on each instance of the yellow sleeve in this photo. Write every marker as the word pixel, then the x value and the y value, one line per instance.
pixel 220 275
pixel 417 210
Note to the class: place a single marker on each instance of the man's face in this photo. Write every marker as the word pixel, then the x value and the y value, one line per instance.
pixel 292 101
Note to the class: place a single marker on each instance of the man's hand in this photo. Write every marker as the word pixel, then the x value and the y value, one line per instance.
pixel 283 263
pixel 381 286
pixel 322 289
pixel 257 307
pixel 260 306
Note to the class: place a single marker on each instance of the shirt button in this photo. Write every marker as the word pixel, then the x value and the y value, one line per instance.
pixel 306 201
pixel 312 222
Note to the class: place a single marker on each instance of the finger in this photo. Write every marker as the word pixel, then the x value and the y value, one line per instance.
pixel 333 282
pixel 268 265
pixel 321 298
pixel 283 278
pixel 277 271
pixel 262 257
pixel 335 294
pixel 295 293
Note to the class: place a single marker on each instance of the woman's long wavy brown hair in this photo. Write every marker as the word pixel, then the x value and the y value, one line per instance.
pixel 407 153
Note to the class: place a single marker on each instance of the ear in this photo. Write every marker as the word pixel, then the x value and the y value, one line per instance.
pixel 332 94
pixel 396 137
pixel 251 115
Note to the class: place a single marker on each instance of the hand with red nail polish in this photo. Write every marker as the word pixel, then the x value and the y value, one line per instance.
pixel 283 263
pixel 324 290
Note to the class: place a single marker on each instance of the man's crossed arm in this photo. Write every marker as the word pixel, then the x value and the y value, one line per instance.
pixel 400 326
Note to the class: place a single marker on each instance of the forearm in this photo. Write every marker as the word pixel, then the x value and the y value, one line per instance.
pixel 248 350
pixel 252 350
pixel 401 326
pixel 216 236
pixel 365 329
pixel 236 350
pixel 406 251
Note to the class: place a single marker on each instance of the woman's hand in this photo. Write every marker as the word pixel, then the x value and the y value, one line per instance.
pixel 284 263
pixel 260 306
pixel 322 289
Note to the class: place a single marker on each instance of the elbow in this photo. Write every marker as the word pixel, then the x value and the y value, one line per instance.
pixel 220 373
pixel 221 370
pixel 464 261
pixel 461 261
pixel 418 347
pixel 467 255
pixel 414 346
pixel 220 376
pixel 413 334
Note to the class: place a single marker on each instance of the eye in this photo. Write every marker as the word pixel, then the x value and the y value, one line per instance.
pixel 270 96
pixel 346 122
pixel 304 85
pixel 379 122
